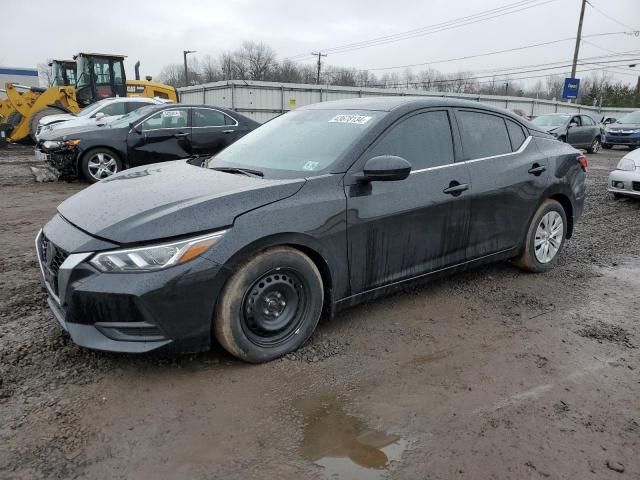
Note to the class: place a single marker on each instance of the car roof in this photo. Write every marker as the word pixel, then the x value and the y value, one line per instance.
pixel 391 103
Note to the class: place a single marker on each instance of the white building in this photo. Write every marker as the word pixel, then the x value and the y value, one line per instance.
pixel 23 76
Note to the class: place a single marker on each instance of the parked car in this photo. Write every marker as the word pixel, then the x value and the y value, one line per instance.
pixel 624 181
pixel 624 131
pixel 96 114
pixel 321 208
pixel 154 133
pixel 579 131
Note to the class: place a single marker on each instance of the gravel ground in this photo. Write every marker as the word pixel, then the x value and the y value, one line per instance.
pixel 491 373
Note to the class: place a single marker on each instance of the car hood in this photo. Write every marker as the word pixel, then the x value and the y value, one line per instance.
pixel 77 130
pixel 60 117
pixel 167 200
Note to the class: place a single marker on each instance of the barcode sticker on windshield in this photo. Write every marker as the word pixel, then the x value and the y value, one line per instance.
pixel 358 119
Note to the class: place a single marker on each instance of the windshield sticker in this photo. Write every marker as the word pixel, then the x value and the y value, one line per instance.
pixel 171 113
pixel 310 166
pixel 357 119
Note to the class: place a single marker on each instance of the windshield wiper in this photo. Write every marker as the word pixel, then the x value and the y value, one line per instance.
pixel 244 171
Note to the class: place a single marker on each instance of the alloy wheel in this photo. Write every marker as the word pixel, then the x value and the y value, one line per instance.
pixel 102 165
pixel 549 236
pixel 595 146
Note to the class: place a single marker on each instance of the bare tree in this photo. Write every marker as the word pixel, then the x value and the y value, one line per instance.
pixel 259 59
pixel 45 76
pixel 209 69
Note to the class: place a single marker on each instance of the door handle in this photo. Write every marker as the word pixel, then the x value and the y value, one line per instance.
pixel 180 135
pixel 228 131
pixel 537 170
pixel 456 188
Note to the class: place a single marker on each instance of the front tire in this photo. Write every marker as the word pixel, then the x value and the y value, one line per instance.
pixel 270 306
pixel 595 146
pixel 100 163
pixel 545 238
pixel 35 120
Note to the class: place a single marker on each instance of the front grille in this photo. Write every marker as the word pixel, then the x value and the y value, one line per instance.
pixel 51 257
pixel 636 186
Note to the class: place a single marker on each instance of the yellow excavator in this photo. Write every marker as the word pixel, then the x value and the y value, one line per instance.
pixel 95 76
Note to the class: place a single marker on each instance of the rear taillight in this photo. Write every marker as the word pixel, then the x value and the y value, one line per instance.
pixel 583 161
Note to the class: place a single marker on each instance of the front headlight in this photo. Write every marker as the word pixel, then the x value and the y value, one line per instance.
pixel 50 144
pixel 154 257
pixel 53 144
pixel 626 164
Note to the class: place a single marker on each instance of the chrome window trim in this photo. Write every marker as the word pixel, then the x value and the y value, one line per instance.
pixel 522 148
pixel 219 111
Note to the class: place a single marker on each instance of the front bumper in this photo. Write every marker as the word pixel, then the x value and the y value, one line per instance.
pixel 611 138
pixel 625 182
pixel 170 309
pixel 65 161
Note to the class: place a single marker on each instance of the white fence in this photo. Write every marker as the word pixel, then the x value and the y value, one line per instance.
pixel 264 100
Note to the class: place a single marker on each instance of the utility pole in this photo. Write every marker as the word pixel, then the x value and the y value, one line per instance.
pixel 186 71
pixel 576 50
pixel 319 55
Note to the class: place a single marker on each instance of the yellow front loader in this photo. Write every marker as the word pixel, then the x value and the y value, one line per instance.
pixel 97 76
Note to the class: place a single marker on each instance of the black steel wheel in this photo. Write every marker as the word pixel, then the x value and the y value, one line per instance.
pixel 270 306
pixel 274 306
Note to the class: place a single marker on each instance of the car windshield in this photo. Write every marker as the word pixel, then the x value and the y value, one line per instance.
pixel 132 117
pixel 301 141
pixel 633 117
pixel 550 120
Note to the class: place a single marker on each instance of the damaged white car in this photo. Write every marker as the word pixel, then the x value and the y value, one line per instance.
pixel 624 181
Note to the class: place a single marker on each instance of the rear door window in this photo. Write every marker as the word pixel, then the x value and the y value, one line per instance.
pixel 587 121
pixel 516 134
pixel 424 140
pixel 206 117
pixel 483 134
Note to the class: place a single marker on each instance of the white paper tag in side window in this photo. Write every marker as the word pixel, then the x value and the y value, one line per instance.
pixel 171 113
pixel 357 119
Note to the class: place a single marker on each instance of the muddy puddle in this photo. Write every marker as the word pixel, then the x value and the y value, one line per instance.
pixel 343 445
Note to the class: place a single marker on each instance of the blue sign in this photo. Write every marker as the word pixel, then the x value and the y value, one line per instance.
pixel 570 89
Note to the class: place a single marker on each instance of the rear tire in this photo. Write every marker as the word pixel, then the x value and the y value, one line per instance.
pixel 595 146
pixel 270 306
pixel 545 238
pixel 36 117
pixel 100 163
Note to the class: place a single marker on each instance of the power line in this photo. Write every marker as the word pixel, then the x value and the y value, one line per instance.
pixel 465 79
pixel 438 27
pixel 428 83
pixel 610 17
pixel 467 57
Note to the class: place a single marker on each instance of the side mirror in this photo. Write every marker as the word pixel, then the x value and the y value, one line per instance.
pixel 609 120
pixel 133 127
pixel 573 124
pixel 386 168
pixel 100 116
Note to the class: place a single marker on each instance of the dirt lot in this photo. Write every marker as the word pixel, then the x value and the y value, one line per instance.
pixel 489 374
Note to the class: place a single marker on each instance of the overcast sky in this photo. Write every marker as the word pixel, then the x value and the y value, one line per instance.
pixel 157 32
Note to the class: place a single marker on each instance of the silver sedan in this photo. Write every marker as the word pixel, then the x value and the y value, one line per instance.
pixel 625 179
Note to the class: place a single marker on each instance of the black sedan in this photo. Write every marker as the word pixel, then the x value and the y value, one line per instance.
pixel 319 209
pixel 148 135
pixel 579 131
